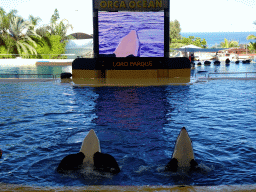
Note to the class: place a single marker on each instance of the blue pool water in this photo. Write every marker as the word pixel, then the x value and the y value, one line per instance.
pixel 223 68
pixel 15 70
pixel 40 123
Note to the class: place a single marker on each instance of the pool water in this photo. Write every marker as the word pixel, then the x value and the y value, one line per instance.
pixel 14 71
pixel 223 68
pixel 42 122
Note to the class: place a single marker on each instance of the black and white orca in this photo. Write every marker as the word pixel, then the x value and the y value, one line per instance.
pixel 183 155
pixel 89 155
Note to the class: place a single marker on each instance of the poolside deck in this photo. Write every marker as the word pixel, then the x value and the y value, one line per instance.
pixel 226 188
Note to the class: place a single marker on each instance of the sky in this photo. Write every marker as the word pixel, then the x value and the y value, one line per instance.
pixel 193 15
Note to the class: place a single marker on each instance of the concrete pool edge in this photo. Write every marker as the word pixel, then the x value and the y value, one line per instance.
pixel 18 80
pixel 15 80
pixel 227 188
pixel 34 62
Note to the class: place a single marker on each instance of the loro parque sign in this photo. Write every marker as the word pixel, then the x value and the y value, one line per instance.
pixel 130 5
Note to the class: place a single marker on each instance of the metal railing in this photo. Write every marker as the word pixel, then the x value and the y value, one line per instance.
pixel 246 76
pixel 17 76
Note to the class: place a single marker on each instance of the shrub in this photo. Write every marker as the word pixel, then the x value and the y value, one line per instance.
pixel 49 47
pixel 3 50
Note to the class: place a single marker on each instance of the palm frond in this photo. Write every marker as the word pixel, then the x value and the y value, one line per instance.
pixel 30 40
pixel 18 47
pixel 30 48
pixel 251 37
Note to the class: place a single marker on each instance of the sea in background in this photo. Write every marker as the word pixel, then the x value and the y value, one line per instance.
pixel 215 38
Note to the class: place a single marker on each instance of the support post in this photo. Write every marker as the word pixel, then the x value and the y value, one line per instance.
pixel 95 33
pixel 167 30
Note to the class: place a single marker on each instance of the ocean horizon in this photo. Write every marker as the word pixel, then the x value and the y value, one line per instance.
pixel 215 38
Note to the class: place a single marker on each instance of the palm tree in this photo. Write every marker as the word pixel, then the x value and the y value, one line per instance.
pixel 229 44
pixel 34 21
pixel 60 29
pixel 5 19
pixel 253 37
pixel 252 45
pixel 5 39
pixel 21 31
pixel 43 30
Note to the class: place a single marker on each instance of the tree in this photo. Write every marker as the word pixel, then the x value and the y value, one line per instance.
pixel 252 45
pixel 229 44
pixel 49 47
pixel 5 39
pixel 43 31
pixel 6 19
pixel 253 37
pixel 34 21
pixel 21 31
pixel 188 41
pixel 61 29
pixel 58 28
pixel 175 30
pixel 55 16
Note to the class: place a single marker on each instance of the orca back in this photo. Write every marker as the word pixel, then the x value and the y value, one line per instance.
pixel 71 162
pixel 105 163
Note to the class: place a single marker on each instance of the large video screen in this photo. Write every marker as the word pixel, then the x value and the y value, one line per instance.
pixel 139 34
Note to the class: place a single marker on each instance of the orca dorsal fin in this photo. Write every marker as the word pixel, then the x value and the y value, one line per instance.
pixel 90 146
pixel 183 150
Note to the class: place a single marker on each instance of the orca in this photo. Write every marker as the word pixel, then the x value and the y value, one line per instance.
pixel 128 46
pixel 89 155
pixel 71 162
pixel 105 163
pixel 90 146
pixel 183 155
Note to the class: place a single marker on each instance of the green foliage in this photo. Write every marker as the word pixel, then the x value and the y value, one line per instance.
pixel 49 47
pixel 57 47
pixel 19 36
pixel 229 44
pixel 174 30
pixel 34 21
pixel 55 16
pixel 60 29
pixel 200 43
pixel 23 42
pixel 8 42
pixel 252 46
pixel 3 50
pixel 43 47
pixel 253 37
pixel 176 43
pixel 5 20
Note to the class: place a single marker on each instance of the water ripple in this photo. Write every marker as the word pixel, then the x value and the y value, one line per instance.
pixel 137 125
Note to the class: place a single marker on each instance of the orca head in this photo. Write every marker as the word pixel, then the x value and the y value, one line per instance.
pixel 71 162
pixel 105 163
